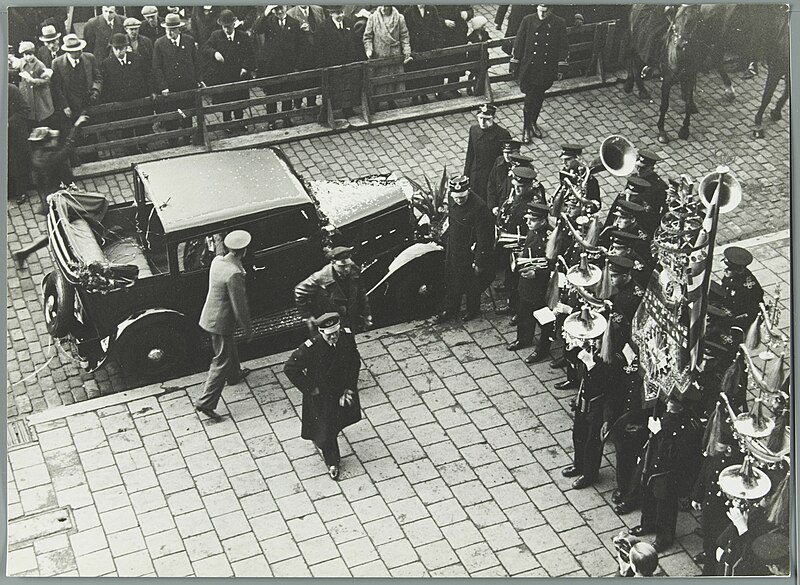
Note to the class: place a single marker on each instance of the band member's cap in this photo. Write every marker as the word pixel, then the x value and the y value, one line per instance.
pixel 523 173
pixel 340 253
pixel 624 238
pixel 487 110
pixel 512 146
pixel 459 184
pixel 619 264
pixel 520 159
pixel 237 240
pixel 571 149
pixel 649 156
pixel 736 256
pixel 637 184
pixel 628 209
pixel 536 211
pixel 328 323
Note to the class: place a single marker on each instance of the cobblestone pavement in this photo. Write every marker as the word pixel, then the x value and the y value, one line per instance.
pixel 422 148
pixel 454 471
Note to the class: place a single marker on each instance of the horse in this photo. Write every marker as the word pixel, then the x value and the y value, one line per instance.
pixel 665 36
pixel 777 58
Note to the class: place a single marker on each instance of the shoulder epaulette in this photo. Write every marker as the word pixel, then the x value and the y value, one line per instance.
pixel 347 330
pixel 309 343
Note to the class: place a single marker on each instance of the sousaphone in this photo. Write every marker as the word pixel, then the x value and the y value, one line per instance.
pixel 618 155
pixel 730 190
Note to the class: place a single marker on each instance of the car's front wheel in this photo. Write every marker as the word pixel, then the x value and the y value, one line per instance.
pixel 59 301
pixel 154 348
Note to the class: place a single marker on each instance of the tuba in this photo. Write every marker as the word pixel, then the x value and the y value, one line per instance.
pixel 730 190
pixel 618 155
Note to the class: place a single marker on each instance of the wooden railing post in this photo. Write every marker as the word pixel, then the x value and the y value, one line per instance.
pixel 325 116
pixel 366 90
pixel 482 85
pixel 201 135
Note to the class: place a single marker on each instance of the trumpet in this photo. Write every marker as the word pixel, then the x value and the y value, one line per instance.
pixel 509 240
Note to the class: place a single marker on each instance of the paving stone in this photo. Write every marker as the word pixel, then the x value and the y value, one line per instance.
pixel 174 565
pixel 216 566
pixel 557 562
pixel 95 564
pixel 477 557
pixel 256 566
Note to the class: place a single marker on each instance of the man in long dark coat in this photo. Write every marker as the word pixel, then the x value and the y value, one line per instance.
pixel 325 369
pixel 485 144
pixel 516 12
pixel 175 68
pixel 743 293
pixel 498 176
pixel 97 32
pixel 425 30
pixel 470 237
pixel 540 45
pixel 231 57
pixel 336 44
pixel 454 34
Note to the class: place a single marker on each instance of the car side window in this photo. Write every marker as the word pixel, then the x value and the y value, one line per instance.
pixel 197 253
pixel 281 228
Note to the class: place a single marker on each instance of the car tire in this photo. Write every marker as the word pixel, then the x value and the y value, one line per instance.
pixel 155 348
pixel 417 289
pixel 59 302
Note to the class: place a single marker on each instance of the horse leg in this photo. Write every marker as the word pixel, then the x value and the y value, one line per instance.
pixel 666 86
pixel 687 87
pixel 638 68
pixel 717 58
pixel 627 87
pixel 776 113
pixel 688 97
pixel 769 89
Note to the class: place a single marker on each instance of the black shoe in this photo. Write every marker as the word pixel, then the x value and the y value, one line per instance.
pixel 348 112
pixel 287 123
pixel 19 259
pixel 616 497
pixel 243 373
pixel 392 105
pixel 40 209
pixel 516 345
pixel 443 318
pixel 333 471
pixel 581 483
pixel 507 310
pixel 513 320
pixel 415 100
pixel 565 385
pixel 661 546
pixel 538 355
pixel 470 315
pixel 640 530
pixel 700 558
pixel 209 413
pixel 424 99
pixel 559 363
pixel 570 471
pixel 623 508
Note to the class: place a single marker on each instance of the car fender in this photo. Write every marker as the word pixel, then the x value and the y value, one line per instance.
pixel 408 255
pixel 136 317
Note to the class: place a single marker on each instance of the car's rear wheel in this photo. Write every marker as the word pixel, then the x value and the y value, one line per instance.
pixel 155 348
pixel 59 302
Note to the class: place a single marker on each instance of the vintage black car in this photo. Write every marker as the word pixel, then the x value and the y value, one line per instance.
pixel 132 278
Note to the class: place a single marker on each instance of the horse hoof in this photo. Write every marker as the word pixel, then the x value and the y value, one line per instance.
pixel 683 133
pixel 758 133
pixel 731 97
pixel 692 109
pixel 663 138
pixel 644 94
pixel 775 115
pixel 627 87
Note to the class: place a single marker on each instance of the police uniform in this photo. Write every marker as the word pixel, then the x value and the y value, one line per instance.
pixel 498 176
pixel 532 285
pixel 322 372
pixel 573 151
pixel 655 196
pixel 634 191
pixel 483 148
pixel 641 243
pixel 743 293
pixel 640 271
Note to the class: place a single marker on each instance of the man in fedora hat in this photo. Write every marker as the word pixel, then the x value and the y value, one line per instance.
pixel 325 369
pixel 231 56
pixel 97 32
pixel 125 75
pixel 51 45
pixel 151 25
pixel 137 42
pixel 335 287
pixel 75 84
pixel 176 68
pixel 484 146
pixel 225 307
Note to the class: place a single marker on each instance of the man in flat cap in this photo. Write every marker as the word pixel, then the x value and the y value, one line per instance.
pixel 485 145
pixel 226 307
pixel 325 369
pixel 743 293
pixel 151 26
pixel 336 287
pixel 470 240
pixel 137 42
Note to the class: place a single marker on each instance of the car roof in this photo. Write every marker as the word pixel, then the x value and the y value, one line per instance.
pixel 201 189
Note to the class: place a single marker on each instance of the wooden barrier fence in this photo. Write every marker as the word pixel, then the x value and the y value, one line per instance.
pixel 125 128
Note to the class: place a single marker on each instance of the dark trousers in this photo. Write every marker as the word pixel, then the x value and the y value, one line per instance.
pixel 526 326
pixel 512 283
pixel 330 450
pixel 224 368
pixel 628 447
pixel 184 122
pixel 586 442
pixel 533 104
pixel 660 515
pixel 462 281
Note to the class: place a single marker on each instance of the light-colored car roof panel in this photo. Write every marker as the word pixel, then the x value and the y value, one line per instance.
pixel 202 189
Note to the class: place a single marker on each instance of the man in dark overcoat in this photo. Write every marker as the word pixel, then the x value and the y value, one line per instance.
pixel 516 12
pixel 97 32
pixel 75 82
pixel 231 57
pixel 498 176
pixel 484 146
pixel 470 239
pixel 425 33
pixel 325 369
pixel 151 26
pixel 175 68
pixel 335 287
pixel 336 44
pixel 454 34
pixel 743 292
pixel 137 42
pixel 540 45
pixel 279 46
pixel 226 307
pixel 532 286
pixel 310 17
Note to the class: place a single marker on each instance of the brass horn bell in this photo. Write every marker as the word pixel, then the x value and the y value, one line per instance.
pixel 618 155
pixel 730 194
